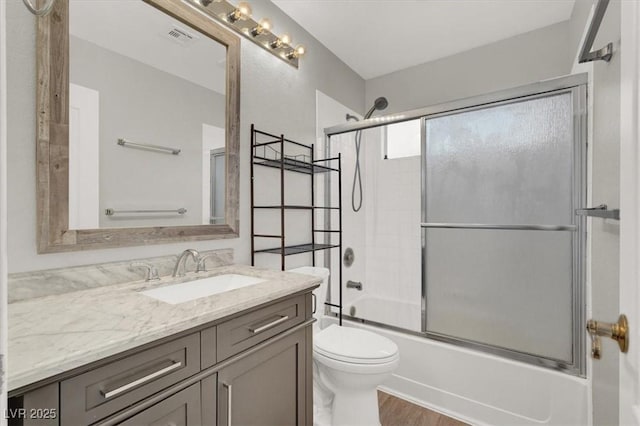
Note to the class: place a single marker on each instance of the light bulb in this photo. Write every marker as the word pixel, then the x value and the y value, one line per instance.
pixel 242 12
pixel 263 25
pixel 266 24
pixel 296 53
pixel 245 10
pixel 281 41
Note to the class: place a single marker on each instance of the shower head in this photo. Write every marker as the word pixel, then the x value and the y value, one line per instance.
pixel 379 104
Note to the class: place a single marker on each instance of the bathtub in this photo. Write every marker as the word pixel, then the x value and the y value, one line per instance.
pixel 474 387
pixel 396 313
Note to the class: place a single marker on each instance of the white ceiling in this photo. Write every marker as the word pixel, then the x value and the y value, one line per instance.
pixel 376 37
pixel 139 31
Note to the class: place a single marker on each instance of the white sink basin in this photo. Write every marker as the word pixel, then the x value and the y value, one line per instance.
pixel 191 290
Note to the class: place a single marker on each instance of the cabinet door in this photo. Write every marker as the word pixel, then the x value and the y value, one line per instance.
pixel 180 409
pixel 269 387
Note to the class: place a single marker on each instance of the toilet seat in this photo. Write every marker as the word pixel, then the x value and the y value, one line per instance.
pixel 354 346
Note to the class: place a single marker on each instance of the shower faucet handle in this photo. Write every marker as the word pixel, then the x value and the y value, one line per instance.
pixel 354 284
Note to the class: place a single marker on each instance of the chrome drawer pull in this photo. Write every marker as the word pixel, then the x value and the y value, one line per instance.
pixel 141 380
pixel 228 388
pixel 268 326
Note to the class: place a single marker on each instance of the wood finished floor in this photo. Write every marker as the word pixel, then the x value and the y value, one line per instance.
pixel 398 412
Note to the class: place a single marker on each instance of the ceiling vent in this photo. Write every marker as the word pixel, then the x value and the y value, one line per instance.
pixel 180 35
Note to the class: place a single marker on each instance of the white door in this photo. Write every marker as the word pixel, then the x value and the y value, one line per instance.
pixel 84 157
pixel 630 211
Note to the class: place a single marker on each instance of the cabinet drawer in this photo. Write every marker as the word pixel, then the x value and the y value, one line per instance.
pixel 181 409
pixel 241 333
pixel 105 390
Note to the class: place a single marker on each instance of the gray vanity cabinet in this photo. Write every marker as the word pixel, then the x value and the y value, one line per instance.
pixel 252 368
pixel 181 409
pixel 102 391
pixel 267 387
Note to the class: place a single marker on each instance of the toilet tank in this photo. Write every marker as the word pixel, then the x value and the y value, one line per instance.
pixel 320 292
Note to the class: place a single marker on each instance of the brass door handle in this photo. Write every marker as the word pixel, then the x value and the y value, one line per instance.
pixel 618 331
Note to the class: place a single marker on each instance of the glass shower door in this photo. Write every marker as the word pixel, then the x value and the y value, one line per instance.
pixel 502 246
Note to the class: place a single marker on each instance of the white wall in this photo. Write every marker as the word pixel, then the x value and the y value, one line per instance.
pixel 274 96
pixel 519 60
pixel 143 104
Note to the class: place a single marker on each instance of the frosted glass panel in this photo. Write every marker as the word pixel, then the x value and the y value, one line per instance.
pixel 509 164
pixel 511 289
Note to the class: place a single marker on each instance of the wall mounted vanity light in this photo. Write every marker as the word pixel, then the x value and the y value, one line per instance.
pixel 242 12
pixel 260 32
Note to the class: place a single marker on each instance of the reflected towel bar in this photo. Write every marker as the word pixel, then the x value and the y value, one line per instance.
pixel 111 212
pixel 126 143
pixel 572 228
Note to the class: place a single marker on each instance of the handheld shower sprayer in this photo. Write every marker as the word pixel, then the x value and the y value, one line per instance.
pixel 379 104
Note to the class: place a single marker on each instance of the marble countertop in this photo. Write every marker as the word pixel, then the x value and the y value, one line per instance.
pixel 54 334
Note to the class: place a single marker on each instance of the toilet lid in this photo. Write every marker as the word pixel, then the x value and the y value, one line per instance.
pixel 354 345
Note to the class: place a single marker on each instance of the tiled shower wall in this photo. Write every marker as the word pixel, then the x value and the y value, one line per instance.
pixel 392 212
pixel 384 234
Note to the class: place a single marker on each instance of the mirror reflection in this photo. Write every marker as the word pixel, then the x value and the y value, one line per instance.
pixel 146 119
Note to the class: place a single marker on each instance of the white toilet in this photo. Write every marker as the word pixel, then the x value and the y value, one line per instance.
pixel 349 364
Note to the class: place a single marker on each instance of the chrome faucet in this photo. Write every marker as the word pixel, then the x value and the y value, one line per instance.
pixel 152 271
pixel 202 267
pixel 182 259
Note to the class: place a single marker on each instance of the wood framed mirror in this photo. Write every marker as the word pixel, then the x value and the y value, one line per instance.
pixel 127 177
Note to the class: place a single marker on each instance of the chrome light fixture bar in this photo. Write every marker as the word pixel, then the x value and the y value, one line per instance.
pixel 260 32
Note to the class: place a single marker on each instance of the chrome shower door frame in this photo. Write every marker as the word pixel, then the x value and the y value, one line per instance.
pixel 577 86
pixel 578 91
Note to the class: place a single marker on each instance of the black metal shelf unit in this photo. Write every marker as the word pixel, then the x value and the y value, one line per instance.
pixel 272 153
